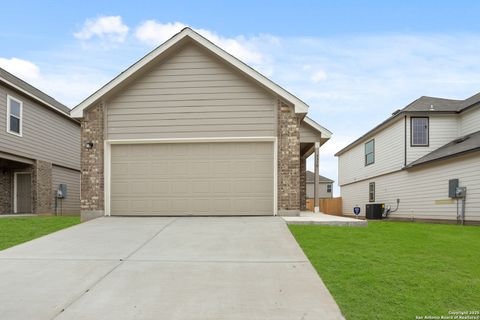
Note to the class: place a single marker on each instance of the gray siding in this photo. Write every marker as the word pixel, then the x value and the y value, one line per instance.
pixel 47 135
pixel 70 204
pixel 190 94
pixel 442 130
pixel 323 190
pixel 308 134
pixel 389 155
pixel 423 192
pixel 470 121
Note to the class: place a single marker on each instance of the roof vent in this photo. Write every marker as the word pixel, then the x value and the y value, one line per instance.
pixel 432 108
pixel 460 140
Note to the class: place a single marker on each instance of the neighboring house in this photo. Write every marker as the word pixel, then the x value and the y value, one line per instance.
pixel 412 156
pixel 191 130
pixel 39 150
pixel 324 186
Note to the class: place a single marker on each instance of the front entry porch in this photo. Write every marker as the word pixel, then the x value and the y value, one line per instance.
pixel 16 187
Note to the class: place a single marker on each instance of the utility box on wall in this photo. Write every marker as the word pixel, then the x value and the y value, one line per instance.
pixel 452 188
pixel 62 191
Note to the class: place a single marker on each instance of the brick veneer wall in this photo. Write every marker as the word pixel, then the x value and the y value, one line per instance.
pixel 92 179
pixel 303 184
pixel 6 188
pixel 42 187
pixel 288 159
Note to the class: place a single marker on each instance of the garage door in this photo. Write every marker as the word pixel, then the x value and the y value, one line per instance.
pixel 192 179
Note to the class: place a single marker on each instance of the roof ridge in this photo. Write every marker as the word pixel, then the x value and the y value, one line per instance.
pixel 36 93
pixel 299 105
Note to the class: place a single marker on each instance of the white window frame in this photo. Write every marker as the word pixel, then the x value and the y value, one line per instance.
pixel 20 126
pixel 427 132
pixel 365 154
pixel 371 192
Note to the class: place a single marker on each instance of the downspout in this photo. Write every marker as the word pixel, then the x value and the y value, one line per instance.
pixel 316 181
pixel 405 140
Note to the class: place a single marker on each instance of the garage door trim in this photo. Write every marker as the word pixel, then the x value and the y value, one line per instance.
pixel 107 158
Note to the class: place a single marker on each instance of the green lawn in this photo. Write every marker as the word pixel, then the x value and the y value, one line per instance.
pixel 396 270
pixel 17 230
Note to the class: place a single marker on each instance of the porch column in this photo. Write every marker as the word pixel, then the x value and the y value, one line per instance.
pixel 315 186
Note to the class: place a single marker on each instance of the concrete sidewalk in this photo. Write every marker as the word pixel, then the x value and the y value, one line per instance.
pixel 309 217
pixel 164 268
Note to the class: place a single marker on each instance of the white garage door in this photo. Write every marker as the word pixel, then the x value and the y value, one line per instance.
pixel 234 178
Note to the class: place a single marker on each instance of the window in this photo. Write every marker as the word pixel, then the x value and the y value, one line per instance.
pixel 14 116
pixel 370 152
pixel 419 132
pixel 329 188
pixel 371 192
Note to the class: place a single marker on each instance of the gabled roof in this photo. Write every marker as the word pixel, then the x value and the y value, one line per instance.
pixel 325 133
pixel 32 92
pixel 459 146
pixel 432 104
pixel 424 104
pixel 311 178
pixel 300 106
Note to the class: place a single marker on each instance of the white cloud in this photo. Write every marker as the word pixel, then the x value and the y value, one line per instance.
pixel 370 76
pixel 23 69
pixel 351 83
pixel 110 28
pixel 68 84
pixel 154 33
pixel 319 76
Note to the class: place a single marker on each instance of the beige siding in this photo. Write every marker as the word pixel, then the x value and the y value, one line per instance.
pixel 190 94
pixel 192 179
pixel 389 156
pixel 443 129
pixel 46 136
pixel 421 191
pixel 323 190
pixel 308 134
pixel 70 204
pixel 470 121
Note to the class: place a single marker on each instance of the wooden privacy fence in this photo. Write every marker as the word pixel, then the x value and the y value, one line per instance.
pixel 328 206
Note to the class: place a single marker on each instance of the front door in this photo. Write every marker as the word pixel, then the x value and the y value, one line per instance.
pixel 23 192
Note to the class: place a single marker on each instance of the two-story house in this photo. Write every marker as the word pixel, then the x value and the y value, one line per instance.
pixel 39 151
pixel 324 186
pixel 415 156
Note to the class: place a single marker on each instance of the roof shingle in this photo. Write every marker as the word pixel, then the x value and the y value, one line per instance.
pixel 311 178
pixel 462 145
pixel 39 95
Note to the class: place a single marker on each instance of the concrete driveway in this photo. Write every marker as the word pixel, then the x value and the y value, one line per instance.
pixel 164 268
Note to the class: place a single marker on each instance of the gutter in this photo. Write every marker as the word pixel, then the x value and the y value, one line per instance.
pixel 382 125
pixel 36 98
pixel 414 165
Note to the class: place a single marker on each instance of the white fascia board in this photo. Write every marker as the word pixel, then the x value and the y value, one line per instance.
pixel 300 106
pixel 325 133
pixel 33 96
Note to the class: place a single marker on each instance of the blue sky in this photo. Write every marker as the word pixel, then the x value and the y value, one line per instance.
pixel 353 62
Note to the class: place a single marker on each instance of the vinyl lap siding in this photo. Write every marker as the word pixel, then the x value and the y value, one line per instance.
pixel 419 189
pixel 443 129
pixel 47 135
pixel 190 94
pixel 70 204
pixel 470 121
pixel 308 134
pixel 389 156
pixel 323 191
